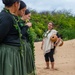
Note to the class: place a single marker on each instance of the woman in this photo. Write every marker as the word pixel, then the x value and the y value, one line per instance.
pixel 10 40
pixel 28 56
pixel 27 36
pixel 48 46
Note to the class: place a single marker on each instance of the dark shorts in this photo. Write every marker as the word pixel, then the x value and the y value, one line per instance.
pixel 49 56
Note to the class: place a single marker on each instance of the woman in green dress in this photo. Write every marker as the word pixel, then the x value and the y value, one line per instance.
pixel 28 52
pixel 11 50
pixel 27 36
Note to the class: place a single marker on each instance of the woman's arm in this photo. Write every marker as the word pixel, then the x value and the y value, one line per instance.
pixel 42 44
pixel 5 25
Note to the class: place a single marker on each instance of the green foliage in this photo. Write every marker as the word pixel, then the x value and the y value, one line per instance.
pixel 68 33
pixel 64 22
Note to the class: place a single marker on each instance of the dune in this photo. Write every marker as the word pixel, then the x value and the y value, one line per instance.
pixel 64 59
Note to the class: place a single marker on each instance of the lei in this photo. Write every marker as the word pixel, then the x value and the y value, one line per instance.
pixel 46 34
pixel 17 28
pixel 31 40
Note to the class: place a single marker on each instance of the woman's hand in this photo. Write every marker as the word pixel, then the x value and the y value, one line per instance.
pixel 29 24
pixel 56 43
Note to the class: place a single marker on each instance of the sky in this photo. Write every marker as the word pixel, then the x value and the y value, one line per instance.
pixel 48 5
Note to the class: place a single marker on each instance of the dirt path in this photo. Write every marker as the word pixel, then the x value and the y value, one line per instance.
pixel 64 59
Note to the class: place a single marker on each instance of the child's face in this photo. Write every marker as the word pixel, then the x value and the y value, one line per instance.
pixel 50 26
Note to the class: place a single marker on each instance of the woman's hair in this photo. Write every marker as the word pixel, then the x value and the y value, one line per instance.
pixel 27 11
pixel 9 3
pixel 22 5
pixel 51 22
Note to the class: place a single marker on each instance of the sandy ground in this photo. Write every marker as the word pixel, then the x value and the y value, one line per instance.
pixel 64 59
